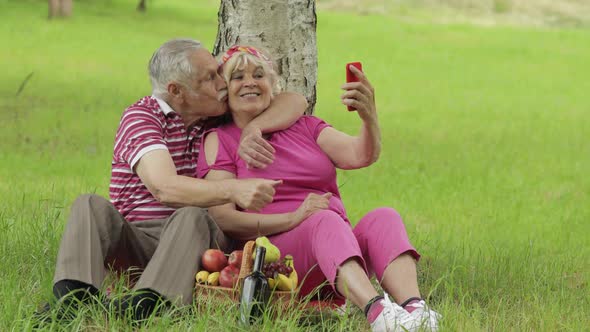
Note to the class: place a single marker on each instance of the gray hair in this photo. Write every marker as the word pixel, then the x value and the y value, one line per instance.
pixel 171 62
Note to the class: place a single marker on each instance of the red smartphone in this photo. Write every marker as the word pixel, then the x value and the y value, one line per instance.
pixel 351 78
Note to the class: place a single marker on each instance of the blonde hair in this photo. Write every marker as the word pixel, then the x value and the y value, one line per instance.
pixel 241 60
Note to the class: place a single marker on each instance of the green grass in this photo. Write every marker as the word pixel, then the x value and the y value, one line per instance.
pixel 486 153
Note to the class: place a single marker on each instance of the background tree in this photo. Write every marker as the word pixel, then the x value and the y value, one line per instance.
pixel 62 8
pixel 141 6
pixel 286 29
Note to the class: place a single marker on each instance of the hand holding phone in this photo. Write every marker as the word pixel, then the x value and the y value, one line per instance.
pixel 350 77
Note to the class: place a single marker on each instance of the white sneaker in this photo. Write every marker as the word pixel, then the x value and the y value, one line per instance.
pixel 393 318
pixel 423 318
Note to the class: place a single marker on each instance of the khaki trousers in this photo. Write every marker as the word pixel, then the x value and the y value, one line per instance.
pixel 168 250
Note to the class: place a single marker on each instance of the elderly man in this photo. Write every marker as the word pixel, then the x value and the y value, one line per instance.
pixel 156 219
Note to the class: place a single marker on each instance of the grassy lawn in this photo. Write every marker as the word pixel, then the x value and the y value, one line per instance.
pixel 486 153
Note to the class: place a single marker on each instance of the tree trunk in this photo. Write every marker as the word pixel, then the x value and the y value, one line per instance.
pixel 53 8
pixel 141 6
pixel 66 8
pixel 285 28
pixel 62 8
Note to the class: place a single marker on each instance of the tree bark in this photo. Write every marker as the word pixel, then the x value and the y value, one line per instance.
pixel 66 8
pixel 53 8
pixel 61 8
pixel 284 28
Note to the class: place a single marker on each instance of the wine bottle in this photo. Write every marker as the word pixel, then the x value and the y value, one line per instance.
pixel 255 293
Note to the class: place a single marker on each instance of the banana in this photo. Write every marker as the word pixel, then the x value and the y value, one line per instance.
pixel 202 276
pixel 213 279
pixel 272 283
pixel 294 278
pixel 284 283
pixel 293 275
pixel 288 260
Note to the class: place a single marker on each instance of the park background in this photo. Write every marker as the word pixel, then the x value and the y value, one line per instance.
pixel 485 122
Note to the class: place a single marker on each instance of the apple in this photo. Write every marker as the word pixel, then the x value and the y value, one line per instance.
pixel 229 276
pixel 235 258
pixel 213 260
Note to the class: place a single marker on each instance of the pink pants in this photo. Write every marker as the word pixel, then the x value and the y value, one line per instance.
pixel 322 242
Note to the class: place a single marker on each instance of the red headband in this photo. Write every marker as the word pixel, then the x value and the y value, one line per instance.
pixel 244 49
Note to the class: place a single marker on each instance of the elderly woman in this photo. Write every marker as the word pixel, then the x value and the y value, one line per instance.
pixel 306 217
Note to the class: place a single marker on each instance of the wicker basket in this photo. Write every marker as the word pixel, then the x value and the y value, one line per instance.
pixel 283 298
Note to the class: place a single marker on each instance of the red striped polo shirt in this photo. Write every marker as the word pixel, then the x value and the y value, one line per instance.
pixel 149 124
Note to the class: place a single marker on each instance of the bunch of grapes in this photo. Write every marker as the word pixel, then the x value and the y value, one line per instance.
pixel 274 268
